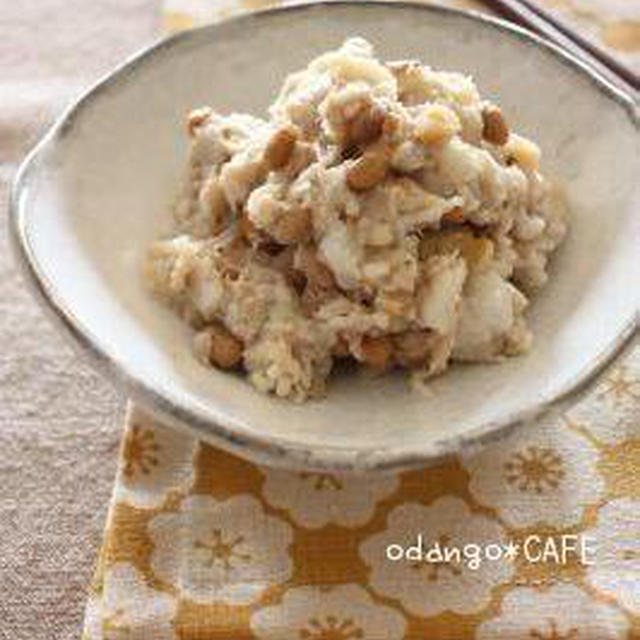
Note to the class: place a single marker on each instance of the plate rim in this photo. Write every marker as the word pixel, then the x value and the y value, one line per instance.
pixel 229 434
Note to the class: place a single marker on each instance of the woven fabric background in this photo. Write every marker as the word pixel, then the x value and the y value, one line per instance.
pixel 60 423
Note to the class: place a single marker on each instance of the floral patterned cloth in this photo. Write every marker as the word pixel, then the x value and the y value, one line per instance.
pixel 202 545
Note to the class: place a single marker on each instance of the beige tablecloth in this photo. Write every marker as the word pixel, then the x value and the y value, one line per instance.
pixel 58 419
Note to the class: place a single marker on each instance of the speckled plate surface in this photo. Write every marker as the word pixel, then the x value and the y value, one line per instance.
pixel 88 201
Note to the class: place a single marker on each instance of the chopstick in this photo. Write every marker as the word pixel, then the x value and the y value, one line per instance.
pixel 530 15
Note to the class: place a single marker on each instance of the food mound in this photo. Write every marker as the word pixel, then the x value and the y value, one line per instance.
pixel 384 213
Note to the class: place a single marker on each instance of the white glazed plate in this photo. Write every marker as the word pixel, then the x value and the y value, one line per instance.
pixel 92 196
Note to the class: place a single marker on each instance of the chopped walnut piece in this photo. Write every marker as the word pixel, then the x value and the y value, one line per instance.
pixel 455 216
pixel 294 225
pixel 494 127
pixel 376 352
pixel 366 126
pixel 280 146
pixel 368 170
pixel 410 78
pixel 524 152
pixel 224 349
pixel 477 251
pixel 197 118
pixel 436 125
pixel 340 348
pixel 353 119
pixel 413 348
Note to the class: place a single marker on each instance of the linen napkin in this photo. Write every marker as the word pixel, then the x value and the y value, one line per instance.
pixel 535 536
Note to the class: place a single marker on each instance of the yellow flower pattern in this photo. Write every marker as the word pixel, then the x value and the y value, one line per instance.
pixel 226 544
pixel 331 628
pixel 534 469
pixel 223 552
pixel 139 451
pixel 341 612
pixel 202 545
pixel 322 481
pixel 620 385
pixel 226 547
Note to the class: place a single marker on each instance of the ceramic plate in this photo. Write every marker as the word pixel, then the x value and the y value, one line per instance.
pixel 91 197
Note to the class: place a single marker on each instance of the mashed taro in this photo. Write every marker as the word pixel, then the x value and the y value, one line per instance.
pixel 383 212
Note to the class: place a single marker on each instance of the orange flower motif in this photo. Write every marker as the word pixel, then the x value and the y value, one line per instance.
pixel 140 451
pixel 615 572
pixel 321 481
pixel 537 475
pixel 620 385
pixel 231 551
pixel 562 611
pixel 129 609
pixel 223 552
pixel 316 499
pixel 154 460
pixel 331 628
pixel 554 634
pixel 339 612
pixel 536 469
pixel 427 587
